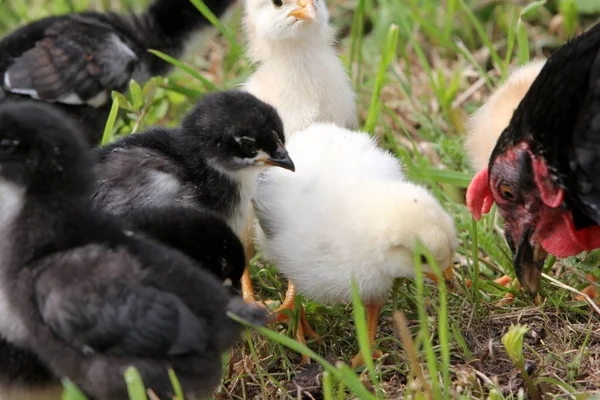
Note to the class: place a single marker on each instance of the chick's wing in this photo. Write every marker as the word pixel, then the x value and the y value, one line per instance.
pixel 76 62
pixel 93 298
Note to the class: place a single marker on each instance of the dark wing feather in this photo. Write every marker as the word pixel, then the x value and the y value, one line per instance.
pixel 78 61
pixel 585 160
pixel 92 299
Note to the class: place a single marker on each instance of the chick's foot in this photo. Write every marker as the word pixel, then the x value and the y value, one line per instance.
pixel 304 329
pixel 373 311
pixel 247 290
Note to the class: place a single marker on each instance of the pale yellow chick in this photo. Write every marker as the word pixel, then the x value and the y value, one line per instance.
pixel 486 125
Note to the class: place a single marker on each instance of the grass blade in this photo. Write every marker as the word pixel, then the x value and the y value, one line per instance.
pixel 71 391
pixel 107 136
pixel 327 386
pixel 350 379
pixel 432 361
pixel 208 14
pixel 389 52
pixel 176 385
pixel 197 75
pixel 135 385
pixel 522 38
pixel 360 322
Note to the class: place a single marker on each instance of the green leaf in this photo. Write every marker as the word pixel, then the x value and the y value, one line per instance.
pixel 513 343
pixel 136 94
pixel 149 91
pixel 568 8
pixel 123 102
pixel 135 385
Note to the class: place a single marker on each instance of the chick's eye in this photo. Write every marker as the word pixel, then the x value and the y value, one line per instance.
pixel 8 146
pixel 248 146
pixel 277 3
pixel 506 191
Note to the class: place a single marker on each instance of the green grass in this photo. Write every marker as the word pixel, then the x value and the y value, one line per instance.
pixel 411 62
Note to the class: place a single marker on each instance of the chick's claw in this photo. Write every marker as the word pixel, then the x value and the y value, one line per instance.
pixel 591 291
pixel 288 304
pixel 247 290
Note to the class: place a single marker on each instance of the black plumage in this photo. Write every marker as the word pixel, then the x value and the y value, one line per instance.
pixel 76 60
pixel 83 293
pixel 544 172
pixel 559 118
pixel 210 162
pixel 195 232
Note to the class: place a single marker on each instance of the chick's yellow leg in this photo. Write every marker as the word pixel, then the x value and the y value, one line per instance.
pixel 247 239
pixel 288 304
pixel 304 329
pixel 373 311
pixel 247 290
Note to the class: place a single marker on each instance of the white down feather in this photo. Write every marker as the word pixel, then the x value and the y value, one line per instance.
pixel 298 68
pixel 347 210
pixel 488 122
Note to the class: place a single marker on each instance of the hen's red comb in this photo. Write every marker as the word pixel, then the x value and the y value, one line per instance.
pixel 479 195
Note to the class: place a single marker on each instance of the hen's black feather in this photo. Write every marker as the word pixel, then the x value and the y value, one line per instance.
pixel 76 60
pixel 559 118
pixel 87 296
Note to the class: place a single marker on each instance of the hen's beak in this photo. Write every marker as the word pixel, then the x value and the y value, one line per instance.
pixel 448 274
pixel 306 10
pixel 280 158
pixel 529 262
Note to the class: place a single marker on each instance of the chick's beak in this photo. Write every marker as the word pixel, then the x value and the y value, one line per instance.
pixel 306 10
pixel 529 262
pixel 281 158
pixel 448 275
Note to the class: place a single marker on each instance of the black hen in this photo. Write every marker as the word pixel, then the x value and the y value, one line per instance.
pixel 85 295
pixel 544 172
pixel 76 60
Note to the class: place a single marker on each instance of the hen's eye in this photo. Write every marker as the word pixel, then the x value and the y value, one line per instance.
pixel 277 3
pixel 7 146
pixel 506 192
pixel 248 146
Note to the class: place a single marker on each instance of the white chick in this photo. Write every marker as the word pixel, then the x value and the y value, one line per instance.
pixel 348 211
pixel 299 71
pixel 488 122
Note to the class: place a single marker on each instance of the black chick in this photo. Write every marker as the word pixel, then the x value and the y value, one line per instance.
pixel 212 161
pixel 196 233
pixel 85 295
pixel 76 60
